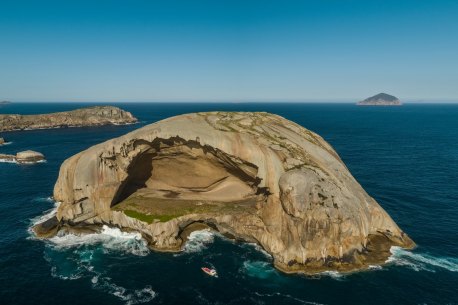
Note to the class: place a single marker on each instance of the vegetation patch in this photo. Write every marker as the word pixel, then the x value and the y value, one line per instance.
pixel 149 218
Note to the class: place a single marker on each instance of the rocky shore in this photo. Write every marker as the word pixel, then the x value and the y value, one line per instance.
pixel 90 116
pixel 255 177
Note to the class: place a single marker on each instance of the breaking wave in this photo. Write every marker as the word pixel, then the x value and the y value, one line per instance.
pixel 22 163
pixel 336 275
pixel 258 248
pixel 46 214
pixel 259 269
pixel 110 238
pixel 198 241
pixel 421 262
pixel 8 161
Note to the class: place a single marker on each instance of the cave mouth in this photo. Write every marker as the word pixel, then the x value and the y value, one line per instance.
pixel 179 172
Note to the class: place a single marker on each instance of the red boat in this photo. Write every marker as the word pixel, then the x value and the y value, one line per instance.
pixel 211 272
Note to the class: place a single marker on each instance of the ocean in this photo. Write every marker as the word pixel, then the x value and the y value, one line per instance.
pixel 405 157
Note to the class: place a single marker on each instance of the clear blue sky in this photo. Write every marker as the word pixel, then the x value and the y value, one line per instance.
pixel 227 50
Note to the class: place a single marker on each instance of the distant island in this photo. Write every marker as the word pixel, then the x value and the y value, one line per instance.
pixel 381 99
pixel 5 102
pixel 90 116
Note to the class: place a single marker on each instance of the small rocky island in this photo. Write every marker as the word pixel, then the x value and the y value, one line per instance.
pixel 23 157
pixel 381 99
pixel 90 116
pixel 2 141
pixel 254 177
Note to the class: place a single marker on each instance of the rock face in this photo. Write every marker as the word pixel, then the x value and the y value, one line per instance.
pixel 28 156
pixel 381 99
pixel 256 177
pixel 2 141
pixel 91 116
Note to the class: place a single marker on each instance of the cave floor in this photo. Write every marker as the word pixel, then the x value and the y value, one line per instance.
pixel 154 205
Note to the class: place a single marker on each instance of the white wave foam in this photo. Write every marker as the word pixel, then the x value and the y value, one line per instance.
pixel 129 296
pixel 258 269
pixel 6 143
pixel 26 163
pixel 110 238
pixel 333 274
pixel 78 264
pixel 48 214
pixel 421 262
pixel 375 267
pixel 8 161
pixel 259 249
pixel 286 296
pixel 198 240
pixel 33 162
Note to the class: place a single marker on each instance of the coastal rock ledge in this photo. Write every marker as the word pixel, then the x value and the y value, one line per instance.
pixel 254 177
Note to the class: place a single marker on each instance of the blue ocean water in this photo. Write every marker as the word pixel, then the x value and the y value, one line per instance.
pixel 405 157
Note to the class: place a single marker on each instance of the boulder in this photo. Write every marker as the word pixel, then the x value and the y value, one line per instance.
pixel 29 156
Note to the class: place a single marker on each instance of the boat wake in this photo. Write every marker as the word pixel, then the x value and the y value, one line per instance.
pixel 421 262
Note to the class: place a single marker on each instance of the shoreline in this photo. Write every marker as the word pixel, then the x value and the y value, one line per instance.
pixel 340 267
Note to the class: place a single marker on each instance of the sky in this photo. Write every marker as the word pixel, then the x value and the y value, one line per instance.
pixel 320 50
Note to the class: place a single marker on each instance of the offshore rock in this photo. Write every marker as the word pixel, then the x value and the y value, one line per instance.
pixel 255 177
pixel 381 99
pixel 28 156
pixel 90 116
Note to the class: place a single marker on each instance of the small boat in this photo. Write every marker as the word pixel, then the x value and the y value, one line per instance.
pixel 211 272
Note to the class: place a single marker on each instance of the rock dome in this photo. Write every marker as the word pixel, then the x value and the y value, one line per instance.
pixel 255 177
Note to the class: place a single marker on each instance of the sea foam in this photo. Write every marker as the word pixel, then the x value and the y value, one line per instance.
pixel 198 240
pixel 421 262
pixel 112 239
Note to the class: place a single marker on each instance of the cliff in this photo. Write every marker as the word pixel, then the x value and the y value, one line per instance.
pixel 381 99
pixel 255 177
pixel 90 116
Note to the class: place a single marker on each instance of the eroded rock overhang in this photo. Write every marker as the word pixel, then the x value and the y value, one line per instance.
pixel 255 176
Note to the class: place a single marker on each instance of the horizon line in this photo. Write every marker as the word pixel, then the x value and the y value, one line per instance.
pixel 236 101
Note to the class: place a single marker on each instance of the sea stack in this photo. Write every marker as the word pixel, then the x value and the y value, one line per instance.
pixel 381 99
pixel 255 177
pixel 2 141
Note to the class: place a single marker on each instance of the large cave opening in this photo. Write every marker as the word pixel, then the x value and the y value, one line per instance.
pixel 173 176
